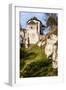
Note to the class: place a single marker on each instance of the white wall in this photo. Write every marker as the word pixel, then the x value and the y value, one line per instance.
pixel 32 33
pixel 4 43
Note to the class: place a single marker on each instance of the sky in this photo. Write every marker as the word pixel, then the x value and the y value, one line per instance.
pixel 25 16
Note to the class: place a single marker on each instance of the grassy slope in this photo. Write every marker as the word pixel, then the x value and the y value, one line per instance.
pixel 34 63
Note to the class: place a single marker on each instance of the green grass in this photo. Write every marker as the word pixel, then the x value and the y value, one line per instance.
pixel 34 63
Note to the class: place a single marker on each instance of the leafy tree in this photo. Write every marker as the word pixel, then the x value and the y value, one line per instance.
pixel 51 21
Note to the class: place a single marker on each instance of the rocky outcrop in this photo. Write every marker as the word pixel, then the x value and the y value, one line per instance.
pixel 51 49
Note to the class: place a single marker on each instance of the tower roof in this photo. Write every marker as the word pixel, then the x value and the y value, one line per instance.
pixel 32 20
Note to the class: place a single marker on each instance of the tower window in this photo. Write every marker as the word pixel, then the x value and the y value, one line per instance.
pixel 31 27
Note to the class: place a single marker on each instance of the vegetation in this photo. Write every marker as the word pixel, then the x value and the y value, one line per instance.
pixel 34 63
pixel 52 19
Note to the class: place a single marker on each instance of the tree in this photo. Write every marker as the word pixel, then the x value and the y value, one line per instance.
pixel 51 21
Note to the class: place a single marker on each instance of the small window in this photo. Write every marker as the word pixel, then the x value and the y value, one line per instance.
pixel 31 27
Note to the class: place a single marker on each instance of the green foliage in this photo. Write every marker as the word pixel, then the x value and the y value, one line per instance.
pixel 34 63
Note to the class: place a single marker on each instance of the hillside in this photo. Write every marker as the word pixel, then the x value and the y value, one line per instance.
pixel 34 63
